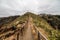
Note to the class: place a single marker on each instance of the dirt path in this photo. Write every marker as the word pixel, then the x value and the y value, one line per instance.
pixel 28 34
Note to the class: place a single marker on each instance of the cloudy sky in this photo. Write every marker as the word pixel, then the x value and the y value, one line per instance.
pixel 18 7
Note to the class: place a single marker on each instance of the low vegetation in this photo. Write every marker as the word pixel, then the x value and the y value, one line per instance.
pixel 49 23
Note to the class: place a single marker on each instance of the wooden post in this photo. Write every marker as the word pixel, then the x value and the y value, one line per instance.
pixel 39 38
pixel 18 36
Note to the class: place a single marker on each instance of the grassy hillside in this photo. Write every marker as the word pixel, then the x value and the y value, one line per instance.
pixel 6 20
pixel 53 20
pixel 39 21
pixel 50 24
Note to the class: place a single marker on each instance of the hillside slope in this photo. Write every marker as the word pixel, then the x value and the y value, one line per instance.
pixel 53 20
pixel 41 22
pixel 6 20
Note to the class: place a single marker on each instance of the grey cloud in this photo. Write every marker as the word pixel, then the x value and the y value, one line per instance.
pixel 18 7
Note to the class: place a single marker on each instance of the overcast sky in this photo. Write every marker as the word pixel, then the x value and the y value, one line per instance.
pixel 18 7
